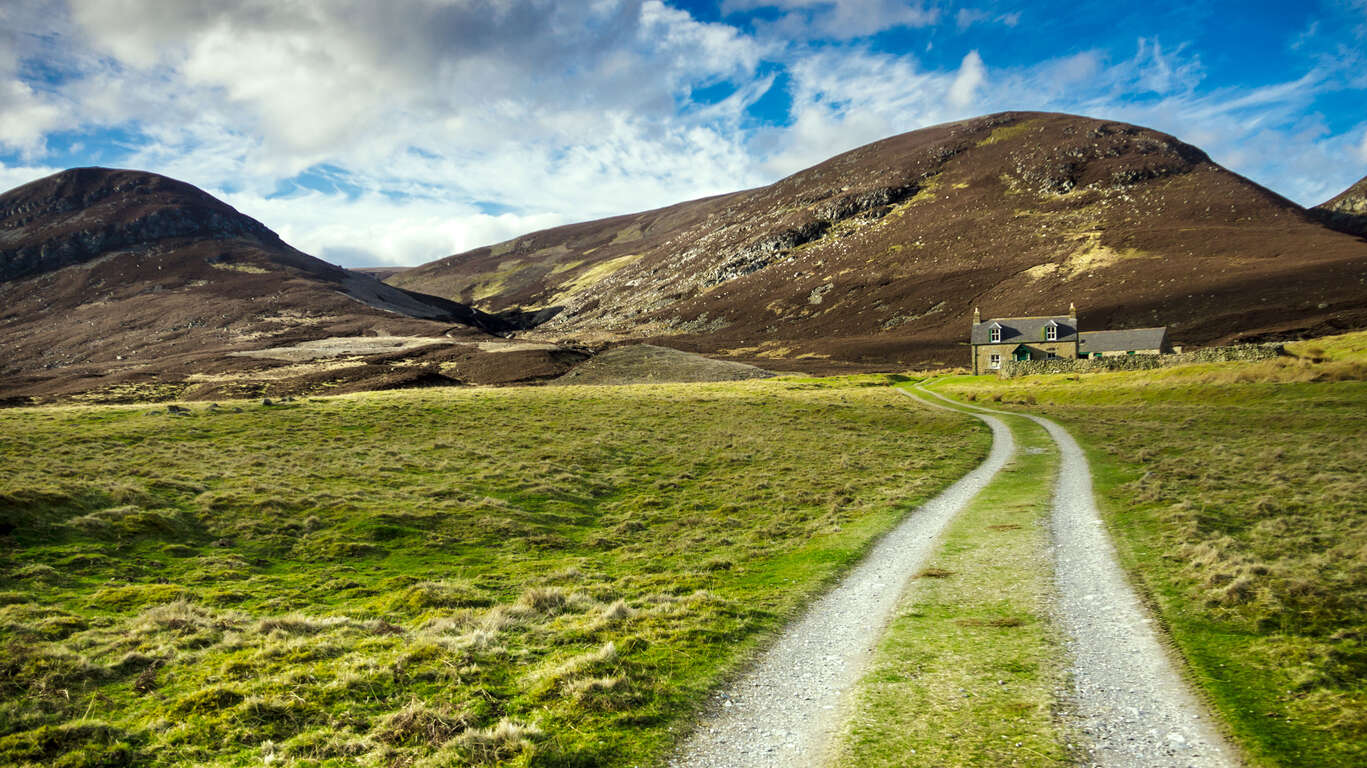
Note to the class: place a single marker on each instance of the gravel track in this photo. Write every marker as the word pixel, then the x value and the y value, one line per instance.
pixel 1128 698
pixel 785 708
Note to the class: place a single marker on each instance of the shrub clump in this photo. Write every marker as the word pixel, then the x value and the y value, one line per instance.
pixel 83 744
pixel 427 595
pixel 504 741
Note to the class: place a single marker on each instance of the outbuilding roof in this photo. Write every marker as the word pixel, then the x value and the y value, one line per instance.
pixel 1122 341
pixel 1017 330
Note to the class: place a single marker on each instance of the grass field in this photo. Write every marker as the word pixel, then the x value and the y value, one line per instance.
pixel 969 670
pixel 1238 497
pixel 548 576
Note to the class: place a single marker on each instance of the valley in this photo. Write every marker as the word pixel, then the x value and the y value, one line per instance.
pixel 545 502
pixel 123 286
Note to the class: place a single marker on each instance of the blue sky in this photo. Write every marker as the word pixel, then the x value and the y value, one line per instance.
pixel 393 133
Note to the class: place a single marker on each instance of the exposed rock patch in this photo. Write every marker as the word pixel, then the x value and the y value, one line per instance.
pixel 1346 211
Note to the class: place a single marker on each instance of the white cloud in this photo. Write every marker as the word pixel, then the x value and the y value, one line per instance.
pixel 972 73
pixel 373 230
pixel 27 118
pixel 967 17
pixel 1162 73
pixel 555 108
pixel 837 19
pixel 16 175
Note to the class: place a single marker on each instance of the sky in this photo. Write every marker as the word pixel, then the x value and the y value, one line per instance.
pixel 392 133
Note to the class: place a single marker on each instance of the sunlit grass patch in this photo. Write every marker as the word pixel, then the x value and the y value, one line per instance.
pixel 534 576
pixel 1235 493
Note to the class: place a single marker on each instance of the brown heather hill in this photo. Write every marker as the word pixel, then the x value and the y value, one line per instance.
pixel 877 257
pixel 380 273
pixel 1346 211
pixel 124 281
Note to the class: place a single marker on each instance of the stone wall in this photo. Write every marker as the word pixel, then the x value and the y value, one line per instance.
pixel 1012 368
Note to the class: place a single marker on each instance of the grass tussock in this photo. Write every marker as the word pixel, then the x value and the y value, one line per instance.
pixel 535 576
pixel 419 725
pixel 1234 492
pixel 499 743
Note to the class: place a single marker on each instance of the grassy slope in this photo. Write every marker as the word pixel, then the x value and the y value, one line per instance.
pixel 968 671
pixel 1235 493
pixel 538 576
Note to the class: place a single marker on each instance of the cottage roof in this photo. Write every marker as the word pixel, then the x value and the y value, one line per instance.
pixel 1018 330
pixel 1122 341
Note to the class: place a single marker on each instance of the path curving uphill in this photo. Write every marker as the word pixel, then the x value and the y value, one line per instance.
pixel 1128 698
pixel 783 711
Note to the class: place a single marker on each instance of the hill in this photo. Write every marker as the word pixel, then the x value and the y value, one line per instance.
pixel 649 364
pixel 877 257
pixel 131 282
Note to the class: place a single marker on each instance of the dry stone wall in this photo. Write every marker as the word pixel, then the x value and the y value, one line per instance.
pixel 1013 368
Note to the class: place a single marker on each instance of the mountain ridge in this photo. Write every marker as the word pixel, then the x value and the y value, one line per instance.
pixel 879 255
pixel 872 260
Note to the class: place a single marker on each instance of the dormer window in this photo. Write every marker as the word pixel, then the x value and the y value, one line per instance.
pixel 994 334
pixel 1051 331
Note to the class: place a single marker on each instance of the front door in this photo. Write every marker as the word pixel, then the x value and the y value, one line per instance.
pixel 1022 354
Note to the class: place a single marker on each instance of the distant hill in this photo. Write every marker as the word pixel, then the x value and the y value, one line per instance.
pixel 649 364
pixel 380 273
pixel 877 257
pixel 110 278
pixel 1346 211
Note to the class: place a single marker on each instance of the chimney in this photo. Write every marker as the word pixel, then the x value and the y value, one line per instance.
pixel 977 318
pixel 1072 310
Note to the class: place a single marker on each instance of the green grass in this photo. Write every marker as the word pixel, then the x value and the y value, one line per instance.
pixel 968 671
pixel 543 577
pixel 1235 494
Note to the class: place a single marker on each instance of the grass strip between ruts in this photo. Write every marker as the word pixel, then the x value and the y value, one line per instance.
pixel 969 670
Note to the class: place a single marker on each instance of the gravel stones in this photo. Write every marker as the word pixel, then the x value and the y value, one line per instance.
pixel 1127 694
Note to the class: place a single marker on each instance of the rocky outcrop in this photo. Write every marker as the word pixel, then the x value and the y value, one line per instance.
pixel 773 247
pixel 1347 211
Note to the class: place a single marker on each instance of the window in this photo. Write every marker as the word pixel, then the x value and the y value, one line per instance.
pixel 995 361
pixel 1052 355
pixel 994 334
pixel 1051 333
